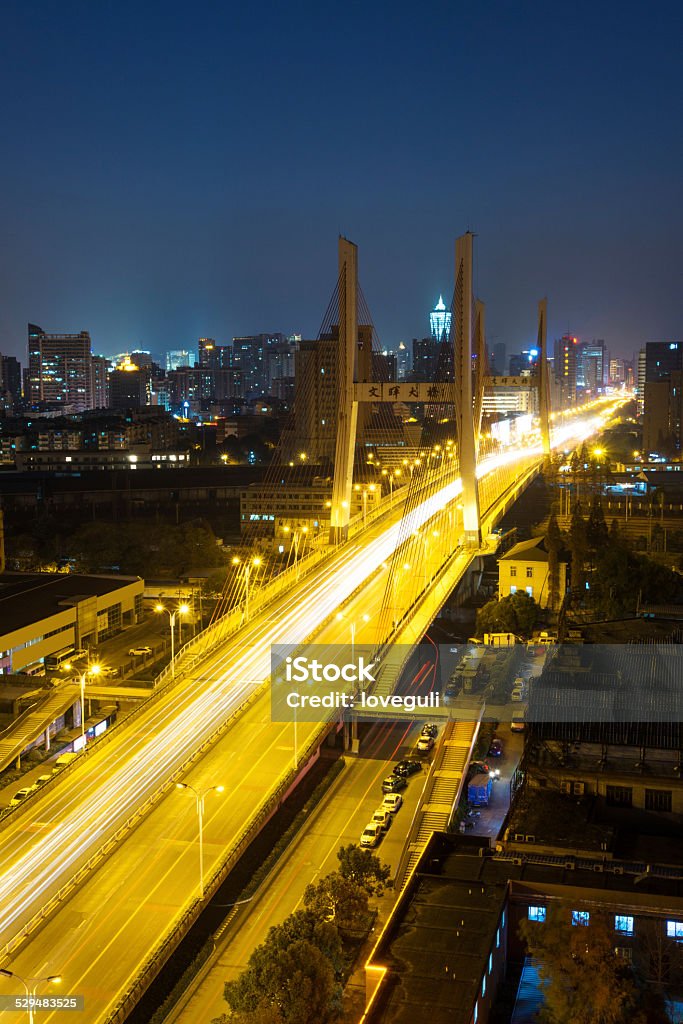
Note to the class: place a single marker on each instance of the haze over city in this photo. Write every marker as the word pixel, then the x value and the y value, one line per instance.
pixel 170 173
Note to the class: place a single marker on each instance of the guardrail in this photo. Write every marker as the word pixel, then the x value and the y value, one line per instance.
pixel 151 967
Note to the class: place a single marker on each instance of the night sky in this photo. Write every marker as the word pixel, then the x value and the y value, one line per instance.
pixel 183 169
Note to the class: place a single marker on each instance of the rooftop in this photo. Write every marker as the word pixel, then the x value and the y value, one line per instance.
pixel 29 597
pixel 527 550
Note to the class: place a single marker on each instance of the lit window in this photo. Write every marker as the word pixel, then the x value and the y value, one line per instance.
pixel 498 938
pixel 623 924
pixel 490 962
pixel 476 1012
pixel 513 590
pixel 581 917
pixel 674 930
pixel 483 986
pixel 536 913
pixel 530 591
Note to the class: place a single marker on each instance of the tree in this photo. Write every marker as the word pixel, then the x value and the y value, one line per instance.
pixel 338 899
pixel 578 543
pixel 583 981
pixel 364 868
pixel 293 984
pixel 596 528
pixel 554 544
pixel 517 613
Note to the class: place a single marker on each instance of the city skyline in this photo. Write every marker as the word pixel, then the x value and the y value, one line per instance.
pixel 198 208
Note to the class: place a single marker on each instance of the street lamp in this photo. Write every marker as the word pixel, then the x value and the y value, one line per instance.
pixel 255 562
pixel 51 979
pixel 352 625
pixel 92 670
pixel 182 609
pixel 199 798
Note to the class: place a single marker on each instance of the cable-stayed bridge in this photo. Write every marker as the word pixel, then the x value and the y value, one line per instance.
pixel 99 868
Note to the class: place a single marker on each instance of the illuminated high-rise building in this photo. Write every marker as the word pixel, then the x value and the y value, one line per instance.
pixel 59 369
pixel 440 321
pixel 565 368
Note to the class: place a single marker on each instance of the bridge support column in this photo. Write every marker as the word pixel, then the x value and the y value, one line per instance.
pixel 464 406
pixel 347 409
pixel 543 381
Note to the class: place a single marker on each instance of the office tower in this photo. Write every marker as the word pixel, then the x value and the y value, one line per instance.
pixel 315 404
pixel 129 386
pixel 403 361
pixel 640 383
pixel 565 368
pixel 384 366
pixel 661 359
pixel 440 321
pixel 178 357
pixel 617 371
pixel 590 365
pixel 425 358
pixel 99 382
pixel 59 369
pixel 662 397
pixel 250 355
pixel 517 364
pixel 213 356
pixel 10 377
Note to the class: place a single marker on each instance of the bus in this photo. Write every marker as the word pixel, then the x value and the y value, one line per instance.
pixel 59 659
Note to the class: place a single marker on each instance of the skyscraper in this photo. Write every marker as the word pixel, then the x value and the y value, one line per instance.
pixel 565 368
pixel 440 320
pixel 59 368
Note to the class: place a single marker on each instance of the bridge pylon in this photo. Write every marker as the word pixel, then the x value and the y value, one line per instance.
pixel 543 379
pixel 347 406
pixel 464 401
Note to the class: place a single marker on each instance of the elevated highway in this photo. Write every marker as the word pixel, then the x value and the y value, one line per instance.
pixel 100 930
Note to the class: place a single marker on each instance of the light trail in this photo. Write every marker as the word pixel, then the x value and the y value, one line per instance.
pixel 89 808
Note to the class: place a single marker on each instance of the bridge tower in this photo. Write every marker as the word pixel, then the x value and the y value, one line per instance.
pixel 347 406
pixel 543 380
pixel 464 399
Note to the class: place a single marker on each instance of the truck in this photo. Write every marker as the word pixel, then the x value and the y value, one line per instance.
pixel 479 790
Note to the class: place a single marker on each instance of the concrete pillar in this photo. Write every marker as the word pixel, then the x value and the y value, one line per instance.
pixel 463 389
pixel 47 738
pixel 347 409
pixel 543 381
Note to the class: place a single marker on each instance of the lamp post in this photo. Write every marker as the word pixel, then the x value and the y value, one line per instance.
pixel 52 979
pixel 91 670
pixel 255 562
pixel 352 626
pixel 199 799
pixel 182 609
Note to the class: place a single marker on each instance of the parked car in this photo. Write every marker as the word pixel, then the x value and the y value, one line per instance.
pixel 496 748
pixel 371 835
pixel 430 729
pixel 518 693
pixel 407 767
pixel 392 802
pixel 135 652
pixel 393 783
pixel 41 780
pixel 424 744
pixel 21 795
pixel 382 817
pixel 518 724
pixel 479 768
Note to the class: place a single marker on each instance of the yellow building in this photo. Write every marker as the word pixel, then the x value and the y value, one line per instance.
pixel 524 569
